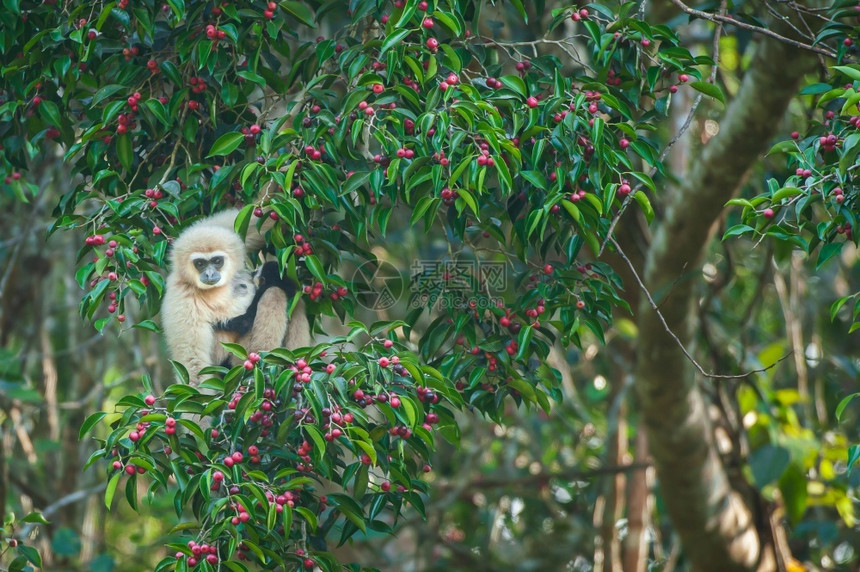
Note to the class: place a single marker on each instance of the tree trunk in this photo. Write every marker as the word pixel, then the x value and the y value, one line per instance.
pixel 715 526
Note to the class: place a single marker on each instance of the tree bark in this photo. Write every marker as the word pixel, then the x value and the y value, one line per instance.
pixel 715 526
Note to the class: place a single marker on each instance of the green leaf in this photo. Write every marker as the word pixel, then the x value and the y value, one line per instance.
pixel 36 517
pixel 738 230
pixel 90 422
pixel 50 113
pixel 524 341
pixel 785 192
pixel 226 144
pixel 124 150
pixel 111 489
pixel 739 202
pixel 710 90
pixel 515 84
pixel 316 268
pixel 252 77
pixel 645 204
pixel 843 404
pixel 851 71
pixel 393 40
pixel 837 305
pixel 300 11
pixel 158 110
pixel 171 71
pixel 828 251
pixel 316 437
pixel 783 147
pixel 853 455
pixel 768 463
pixel 32 555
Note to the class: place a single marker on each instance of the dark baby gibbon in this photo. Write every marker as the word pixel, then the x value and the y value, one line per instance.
pixel 266 324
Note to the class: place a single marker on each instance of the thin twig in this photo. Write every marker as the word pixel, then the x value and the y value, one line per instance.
pixel 54 507
pixel 573 475
pixel 756 29
pixel 687 122
pixel 675 337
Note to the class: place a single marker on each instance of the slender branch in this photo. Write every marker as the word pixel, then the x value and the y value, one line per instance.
pixel 669 331
pixel 574 475
pixel 687 122
pixel 66 500
pixel 756 29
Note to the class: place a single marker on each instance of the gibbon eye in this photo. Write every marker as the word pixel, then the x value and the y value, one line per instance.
pixel 199 264
pixel 218 261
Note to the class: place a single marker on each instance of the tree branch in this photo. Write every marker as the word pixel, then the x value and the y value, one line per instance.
pixel 756 29
pixel 716 527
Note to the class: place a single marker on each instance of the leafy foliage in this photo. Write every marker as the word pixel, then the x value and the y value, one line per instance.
pixel 409 111
pixel 814 206
pixel 14 554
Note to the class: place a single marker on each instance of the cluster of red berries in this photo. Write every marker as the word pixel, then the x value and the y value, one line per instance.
pixel 131 52
pixel 215 34
pixel 315 292
pixel 512 347
pixel 269 12
pixel 198 84
pixel 125 122
pixel 439 157
pixel 304 454
pixel 577 195
pixel 838 196
pixel 199 553
pixel 129 469
pixel 154 195
pixel 411 83
pixel 139 431
pixel 253 359
pixel 95 240
pixel 426 395
pixel 559 117
pixel 250 134
pixel 828 142
pixel 581 15
pixel 493 83
pixel 314 153
pixel 448 196
pixel 333 421
pixel 450 81
pixel 366 108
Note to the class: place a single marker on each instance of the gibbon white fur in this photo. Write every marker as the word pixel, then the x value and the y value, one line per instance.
pixel 208 285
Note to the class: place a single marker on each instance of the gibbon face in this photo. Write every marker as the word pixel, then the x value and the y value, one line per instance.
pixel 209 268
pixel 208 257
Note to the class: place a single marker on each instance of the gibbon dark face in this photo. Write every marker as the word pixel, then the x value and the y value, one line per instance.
pixel 209 267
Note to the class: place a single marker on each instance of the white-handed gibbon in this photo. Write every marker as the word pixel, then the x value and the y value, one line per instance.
pixel 208 285
pixel 266 323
